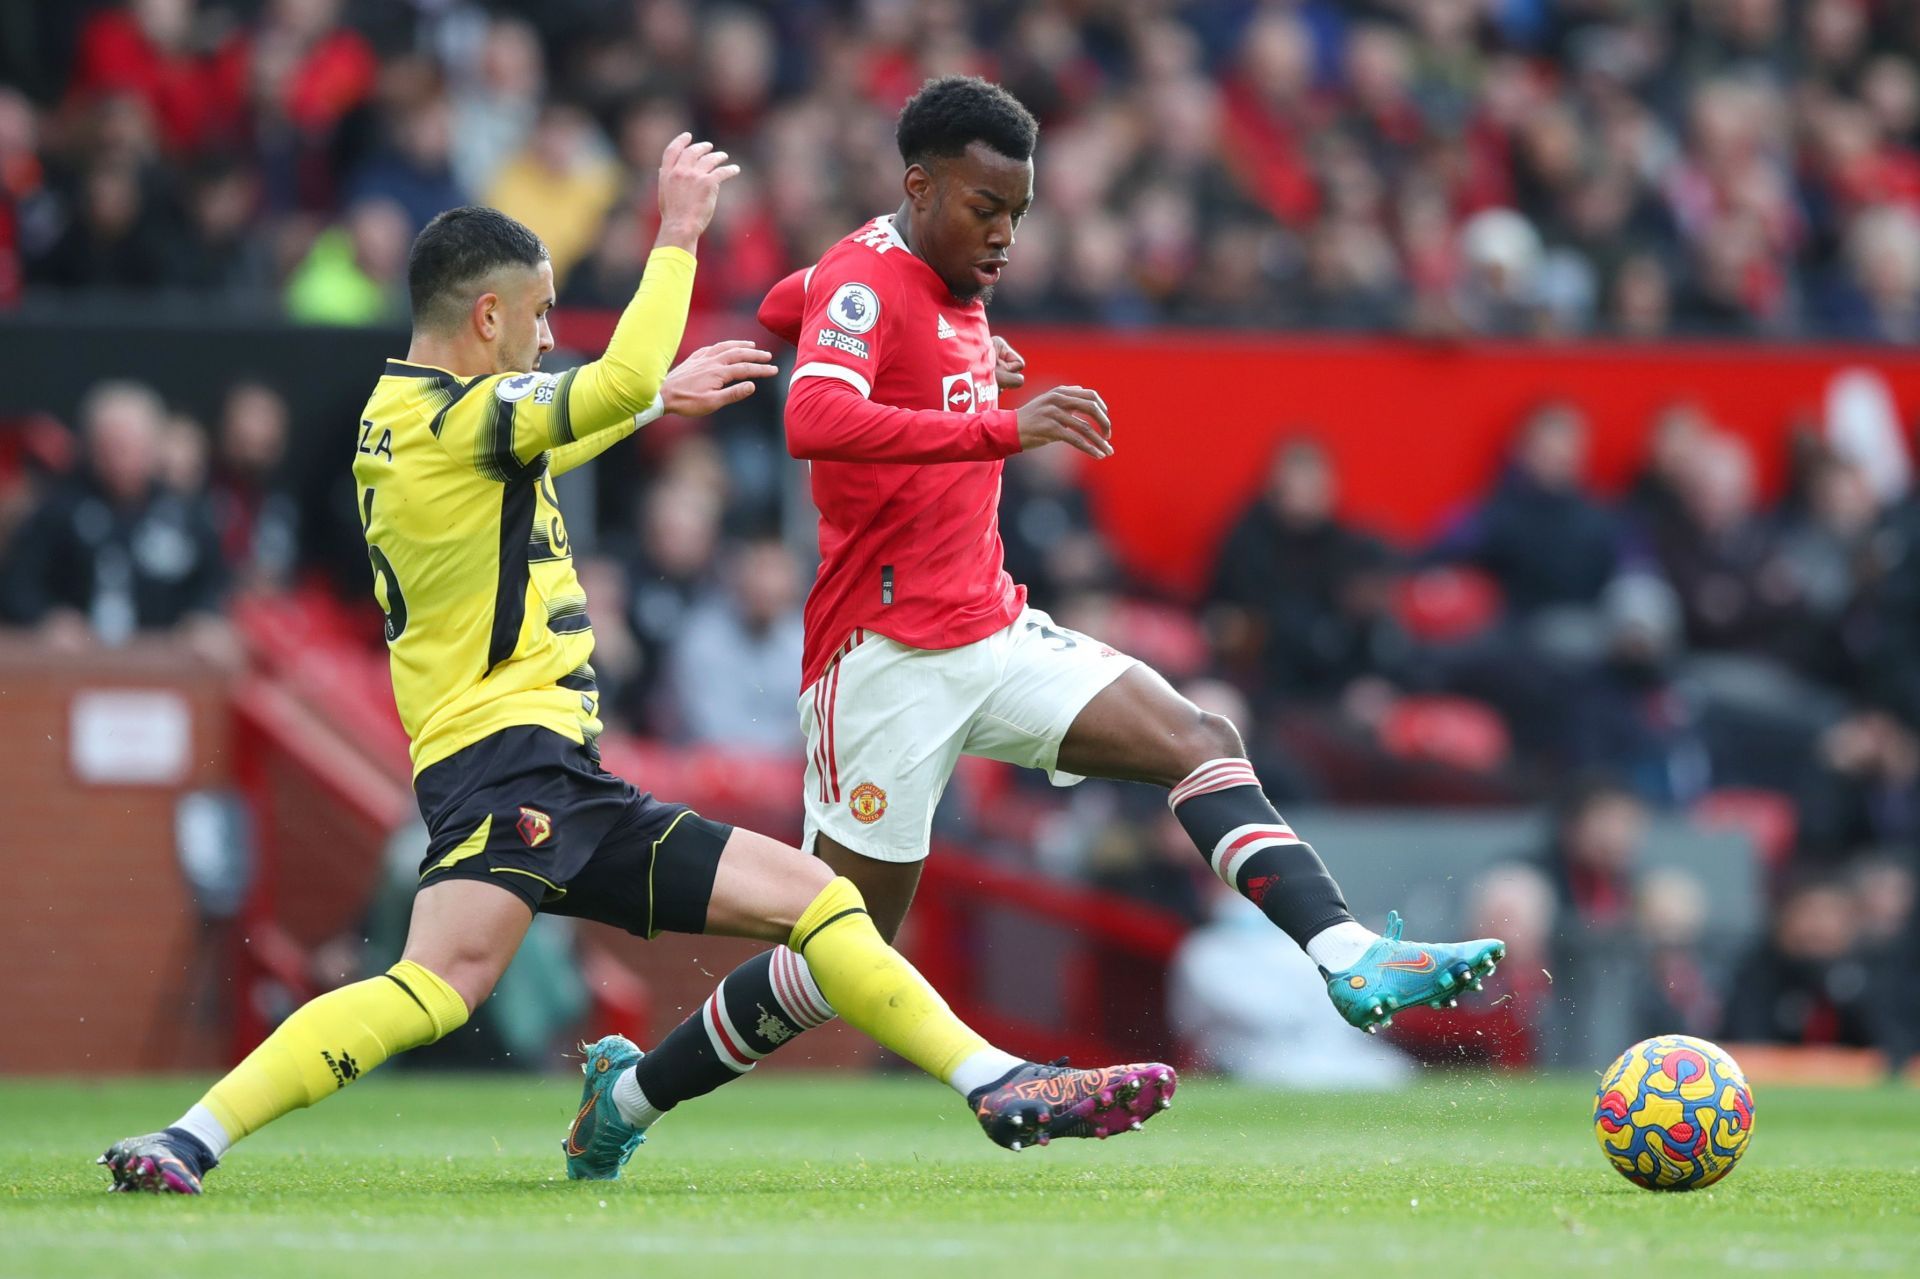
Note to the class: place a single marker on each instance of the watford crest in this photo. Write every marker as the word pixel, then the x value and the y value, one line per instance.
pixel 534 826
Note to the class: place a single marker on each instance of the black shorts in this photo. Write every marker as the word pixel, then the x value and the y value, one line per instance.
pixel 534 812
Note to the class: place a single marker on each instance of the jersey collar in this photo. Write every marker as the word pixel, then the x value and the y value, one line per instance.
pixel 402 368
pixel 885 223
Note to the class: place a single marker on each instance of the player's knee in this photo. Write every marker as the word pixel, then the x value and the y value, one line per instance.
pixel 473 982
pixel 472 977
pixel 1206 737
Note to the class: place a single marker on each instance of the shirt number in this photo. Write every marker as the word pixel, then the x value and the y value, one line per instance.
pixel 386 584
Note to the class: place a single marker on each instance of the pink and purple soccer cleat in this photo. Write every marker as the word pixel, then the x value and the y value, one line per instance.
pixel 1034 1104
pixel 155 1164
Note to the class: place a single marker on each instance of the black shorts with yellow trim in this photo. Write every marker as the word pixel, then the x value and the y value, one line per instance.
pixel 534 812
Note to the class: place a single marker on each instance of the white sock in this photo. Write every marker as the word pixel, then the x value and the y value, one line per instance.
pixel 632 1103
pixel 1340 947
pixel 982 1069
pixel 200 1122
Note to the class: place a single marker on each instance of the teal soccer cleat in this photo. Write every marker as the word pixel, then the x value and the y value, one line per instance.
pixel 600 1142
pixel 1396 974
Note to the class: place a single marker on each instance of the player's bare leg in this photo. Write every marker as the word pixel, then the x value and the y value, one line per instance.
pixel 462 936
pixel 888 886
pixel 467 931
pixel 836 962
pixel 1140 729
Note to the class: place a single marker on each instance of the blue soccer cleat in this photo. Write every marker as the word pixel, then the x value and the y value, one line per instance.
pixel 1396 974
pixel 600 1142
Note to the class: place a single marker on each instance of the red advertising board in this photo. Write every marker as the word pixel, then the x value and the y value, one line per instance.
pixel 1417 430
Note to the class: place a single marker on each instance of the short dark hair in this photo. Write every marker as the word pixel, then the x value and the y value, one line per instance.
pixel 954 111
pixel 454 251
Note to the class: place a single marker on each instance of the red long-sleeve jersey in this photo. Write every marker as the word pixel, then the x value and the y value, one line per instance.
pixel 894 404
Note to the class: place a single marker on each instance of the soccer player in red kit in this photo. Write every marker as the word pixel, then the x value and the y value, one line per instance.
pixel 919 646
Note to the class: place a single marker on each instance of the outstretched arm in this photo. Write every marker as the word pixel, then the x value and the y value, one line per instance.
pixel 705 382
pixel 500 424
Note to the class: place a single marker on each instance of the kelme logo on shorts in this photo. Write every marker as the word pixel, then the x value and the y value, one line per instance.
pixel 534 827
pixel 868 802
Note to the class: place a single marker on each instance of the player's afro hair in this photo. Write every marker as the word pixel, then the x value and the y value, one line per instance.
pixel 950 113
pixel 454 252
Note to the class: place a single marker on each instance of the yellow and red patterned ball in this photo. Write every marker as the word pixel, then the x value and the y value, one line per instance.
pixel 1673 1113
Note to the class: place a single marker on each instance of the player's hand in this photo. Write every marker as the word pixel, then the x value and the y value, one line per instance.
pixel 690 177
pixel 1007 365
pixel 1071 414
pixel 714 377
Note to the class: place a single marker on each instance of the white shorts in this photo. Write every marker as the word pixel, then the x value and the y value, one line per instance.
pixel 886 724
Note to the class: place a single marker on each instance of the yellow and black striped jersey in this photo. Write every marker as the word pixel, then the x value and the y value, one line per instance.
pixel 486 623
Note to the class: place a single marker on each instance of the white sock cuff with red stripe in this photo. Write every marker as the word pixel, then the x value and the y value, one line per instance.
pixel 1242 842
pixel 1215 774
pixel 729 1045
pixel 793 985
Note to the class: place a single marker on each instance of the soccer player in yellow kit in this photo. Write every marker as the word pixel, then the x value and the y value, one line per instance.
pixel 490 642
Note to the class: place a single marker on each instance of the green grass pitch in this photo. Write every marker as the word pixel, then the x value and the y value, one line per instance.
pixel 865 1177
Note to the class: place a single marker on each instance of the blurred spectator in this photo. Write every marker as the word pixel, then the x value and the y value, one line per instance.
pixel 1680 995
pixel 309 71
pixel 1594 867
pixel 1627 715
pixel 1656 503
pixel 1300 597
pixel 1499 291
pixel 1879 300
pixel 1640 299
pixel 1828 552
pixel 355 273
pixel 309 75
pixel 118 237
pixel 219 254
pixel 1736 590
pixel 1516 1021
pixel 183 457
pixel 609 275
pixel 1809 982
pixel 561 183
pixel 1860 784
pixel 1539 534
pixel 113 551
pixel 186 65
pixel 495 106
pixel 679 536
pixel 253 510
pixel 1592 863
pixel 1278 1030
pixel 1886 888
pixel 1046 522
pixel 29 210
pixel 733 672
pixel 1497 169
pixel 414 167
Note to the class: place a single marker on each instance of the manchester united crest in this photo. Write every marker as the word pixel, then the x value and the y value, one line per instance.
pixel 534 827
pixel 868 802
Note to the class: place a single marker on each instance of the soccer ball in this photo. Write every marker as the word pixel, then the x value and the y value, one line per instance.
pixel 1673 1113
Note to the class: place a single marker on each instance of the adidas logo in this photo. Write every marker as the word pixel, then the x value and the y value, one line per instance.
pixel 945 330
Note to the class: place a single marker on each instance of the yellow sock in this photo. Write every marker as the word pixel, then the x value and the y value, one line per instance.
pixel 332 1041
pixel 876 991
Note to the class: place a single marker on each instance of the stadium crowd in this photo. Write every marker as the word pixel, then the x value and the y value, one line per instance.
pixel 1727 167
pixel 1516 167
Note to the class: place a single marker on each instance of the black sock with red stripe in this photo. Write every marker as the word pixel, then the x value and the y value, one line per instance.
pixel 1254 851
pixel 757 1007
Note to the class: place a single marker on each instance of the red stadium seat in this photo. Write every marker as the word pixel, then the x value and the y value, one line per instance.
pixel 1447 604
pixel 1456 731
pixel 1767 817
